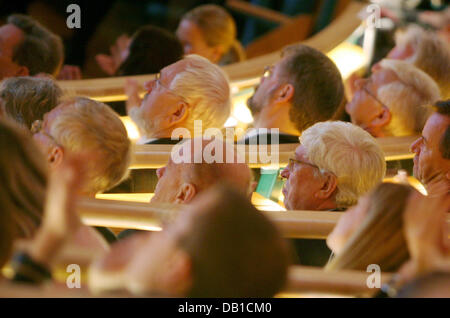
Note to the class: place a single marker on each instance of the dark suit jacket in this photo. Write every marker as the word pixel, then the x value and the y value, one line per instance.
pixel 268 138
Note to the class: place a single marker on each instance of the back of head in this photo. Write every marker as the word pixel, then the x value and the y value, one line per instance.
pixel 41 51
pixel 85 125
pixel 407 98
pixel 235 250
pixel 317 82
pixel 379 239
pixel 443 108
pixel 26 99
pixel 427 44
pixel 205 87
pixel 350 153
pixel 217 26
pixel 23 179
pixel 151 49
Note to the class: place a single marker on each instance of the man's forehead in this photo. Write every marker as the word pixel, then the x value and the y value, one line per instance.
pixel 384 76
pixel 169 72
pixel 435 126
pixel 11 32
pixel 300 152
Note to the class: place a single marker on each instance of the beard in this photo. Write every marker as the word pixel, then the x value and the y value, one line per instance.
pixel 252 104
pixel 148 128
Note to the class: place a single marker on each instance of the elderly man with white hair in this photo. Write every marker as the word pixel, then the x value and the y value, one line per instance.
pixel 189 90
pixel 391 102
pixel 334 165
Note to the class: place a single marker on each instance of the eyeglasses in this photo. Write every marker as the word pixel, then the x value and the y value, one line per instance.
pixel 293 161
pixel 37 128
pixel 364 87
pixel 156 84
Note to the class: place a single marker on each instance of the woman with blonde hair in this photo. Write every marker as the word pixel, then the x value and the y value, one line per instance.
pixel 210 31
pixel 372 231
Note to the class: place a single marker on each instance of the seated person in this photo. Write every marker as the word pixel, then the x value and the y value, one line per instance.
pixel 189 90
pixel 334 165
pixel 432 149
pixel 27 99
pixel 303 88
pixel 372 231
pixel 148 51
pixel 83 125
pixel 210 31
pixel 27 48
pixel 23 191
pixel 391 102
pixel 214 248
pixel 426 51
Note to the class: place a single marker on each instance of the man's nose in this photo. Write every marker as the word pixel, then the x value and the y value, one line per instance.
pixel 359 83
pixel 285 173
pixel 148 86
pixel 415 146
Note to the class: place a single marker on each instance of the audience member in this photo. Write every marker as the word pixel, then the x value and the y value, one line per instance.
pixel 148 51
pixel 214 248
pixel 27 99
pixel 303 88
pixel 391 102
pixel 190 90
pixel 334 165
pixel 432 149
pixel 210 31
pixel 27 48
pixel 83 125
pixel 372 231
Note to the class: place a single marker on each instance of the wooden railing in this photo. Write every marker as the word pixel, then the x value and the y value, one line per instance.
pixel 242 75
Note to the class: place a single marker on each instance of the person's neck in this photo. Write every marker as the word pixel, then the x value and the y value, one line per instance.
pixel 438 186
pixel 278 118
pixel 327 205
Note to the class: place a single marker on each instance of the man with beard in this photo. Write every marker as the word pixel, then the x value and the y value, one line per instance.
pixel 303 88
pixel 432 149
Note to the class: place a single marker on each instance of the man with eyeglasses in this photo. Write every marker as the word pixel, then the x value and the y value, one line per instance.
pixel 303 88
pixel 188 90
pixel 334 165
pixel 391 102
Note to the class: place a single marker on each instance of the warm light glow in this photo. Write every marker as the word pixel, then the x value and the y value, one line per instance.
pixel 412 182
pixel 348 58
pixel 132 129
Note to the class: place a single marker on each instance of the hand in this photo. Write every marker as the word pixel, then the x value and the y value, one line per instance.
pixel 119 52
pixel 69 72
pixel 132 89
pixel 427 235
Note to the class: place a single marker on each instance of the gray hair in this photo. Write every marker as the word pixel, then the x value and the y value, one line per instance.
pixel 350 153
pixel 205 87
pixel 407 99
pixel 26 99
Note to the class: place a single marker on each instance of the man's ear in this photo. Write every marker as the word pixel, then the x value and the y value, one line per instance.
pixel 55 156
pixel 329 185
pixel 179 114
pixel 177 277
pixel 285 93
pixel 382 119
pixel 186 193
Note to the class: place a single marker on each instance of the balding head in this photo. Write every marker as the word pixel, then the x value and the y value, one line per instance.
pixel 196 165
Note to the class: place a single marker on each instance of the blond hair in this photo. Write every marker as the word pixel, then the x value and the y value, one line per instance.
pixel 408 98
pixel 350 153
pixel 205 87
pixel 431 54
pixel 379 239
pixel 88 125
pixel 218 29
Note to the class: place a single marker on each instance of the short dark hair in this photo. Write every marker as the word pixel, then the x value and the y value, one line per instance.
pixel 319 90
pixel 235 250
pixel 151 49
pixel 41 51
pixel 443 108
pixel 26 99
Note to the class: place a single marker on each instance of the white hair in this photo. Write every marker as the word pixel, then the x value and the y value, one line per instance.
pixel 431 54
pixel 350 153
pixel 408 98
pixel 88 125
pixel 205 87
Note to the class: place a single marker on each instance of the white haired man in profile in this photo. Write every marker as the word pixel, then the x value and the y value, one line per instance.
pixel 189 90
